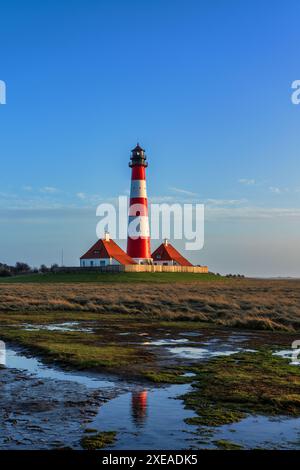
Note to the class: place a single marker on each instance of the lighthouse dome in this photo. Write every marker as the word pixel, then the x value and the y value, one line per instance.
pixel 137 148
pixel 138 156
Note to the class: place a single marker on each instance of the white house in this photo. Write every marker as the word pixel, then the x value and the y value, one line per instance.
pixel 103 253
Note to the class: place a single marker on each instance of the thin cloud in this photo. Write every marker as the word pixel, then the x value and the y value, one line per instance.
pixel 90 198
pixel 251 213
pixel 163 199
pixel 247 181
pixel 225 202
pixel 276 190
pixel 183 191
pixel 49 190
pixel 81 196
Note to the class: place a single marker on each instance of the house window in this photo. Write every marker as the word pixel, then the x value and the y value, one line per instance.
pixel 92 263
pixel 158 256
pixel 165 264
pixel 96 252
pixel 83 263
pixel 102 262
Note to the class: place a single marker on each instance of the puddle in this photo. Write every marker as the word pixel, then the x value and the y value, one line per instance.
pixel 166 342
pixel 203 353
pixel 212 341
pixel 290 354
pixel 144 419
pixel 190 333
pixel 262 432
pixel 235 338
pixel 148 419
pixel 17 360
pixel 152 417
pixel 67 326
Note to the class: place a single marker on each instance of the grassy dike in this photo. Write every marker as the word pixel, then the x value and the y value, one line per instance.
pixel 109 277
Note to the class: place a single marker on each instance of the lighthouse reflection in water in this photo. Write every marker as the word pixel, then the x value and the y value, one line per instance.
pixel 139 406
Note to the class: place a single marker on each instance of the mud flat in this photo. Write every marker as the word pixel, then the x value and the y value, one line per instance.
pixel 44 413
pixel 44 407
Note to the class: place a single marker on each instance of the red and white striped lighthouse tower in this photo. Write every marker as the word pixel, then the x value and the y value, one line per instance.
pixel 138 242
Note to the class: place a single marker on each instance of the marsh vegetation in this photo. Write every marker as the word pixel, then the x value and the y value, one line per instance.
pixel 145 332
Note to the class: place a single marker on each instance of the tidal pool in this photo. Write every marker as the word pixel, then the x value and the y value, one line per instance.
pixel 165 342
pixel 291 354
pixel 203 353
pixel 256 432
pixel 17 360
pixel 66 326
pixel 144 416
pixel 148 419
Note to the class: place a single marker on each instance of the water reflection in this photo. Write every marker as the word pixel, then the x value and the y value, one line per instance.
pixel 148 419
pixel 139 406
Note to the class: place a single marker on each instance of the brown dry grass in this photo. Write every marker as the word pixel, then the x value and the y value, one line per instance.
pixel 255 304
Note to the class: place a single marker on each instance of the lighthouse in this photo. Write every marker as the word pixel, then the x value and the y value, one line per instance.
pixel 138 242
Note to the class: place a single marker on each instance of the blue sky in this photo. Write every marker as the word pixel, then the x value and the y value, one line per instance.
pixel 204 86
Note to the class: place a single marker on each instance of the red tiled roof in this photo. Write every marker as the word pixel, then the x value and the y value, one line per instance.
pixel 167 253
pixel 108 249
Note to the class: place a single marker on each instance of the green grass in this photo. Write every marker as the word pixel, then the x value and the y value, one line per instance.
pixel 227 389
pixel 168 376
pixel 99 441
pixel 80 351
pixel 224 444
pixel 110 277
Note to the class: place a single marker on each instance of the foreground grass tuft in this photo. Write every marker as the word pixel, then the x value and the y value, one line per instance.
pixel 99 441
pixel 224 444
pixel 166 376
